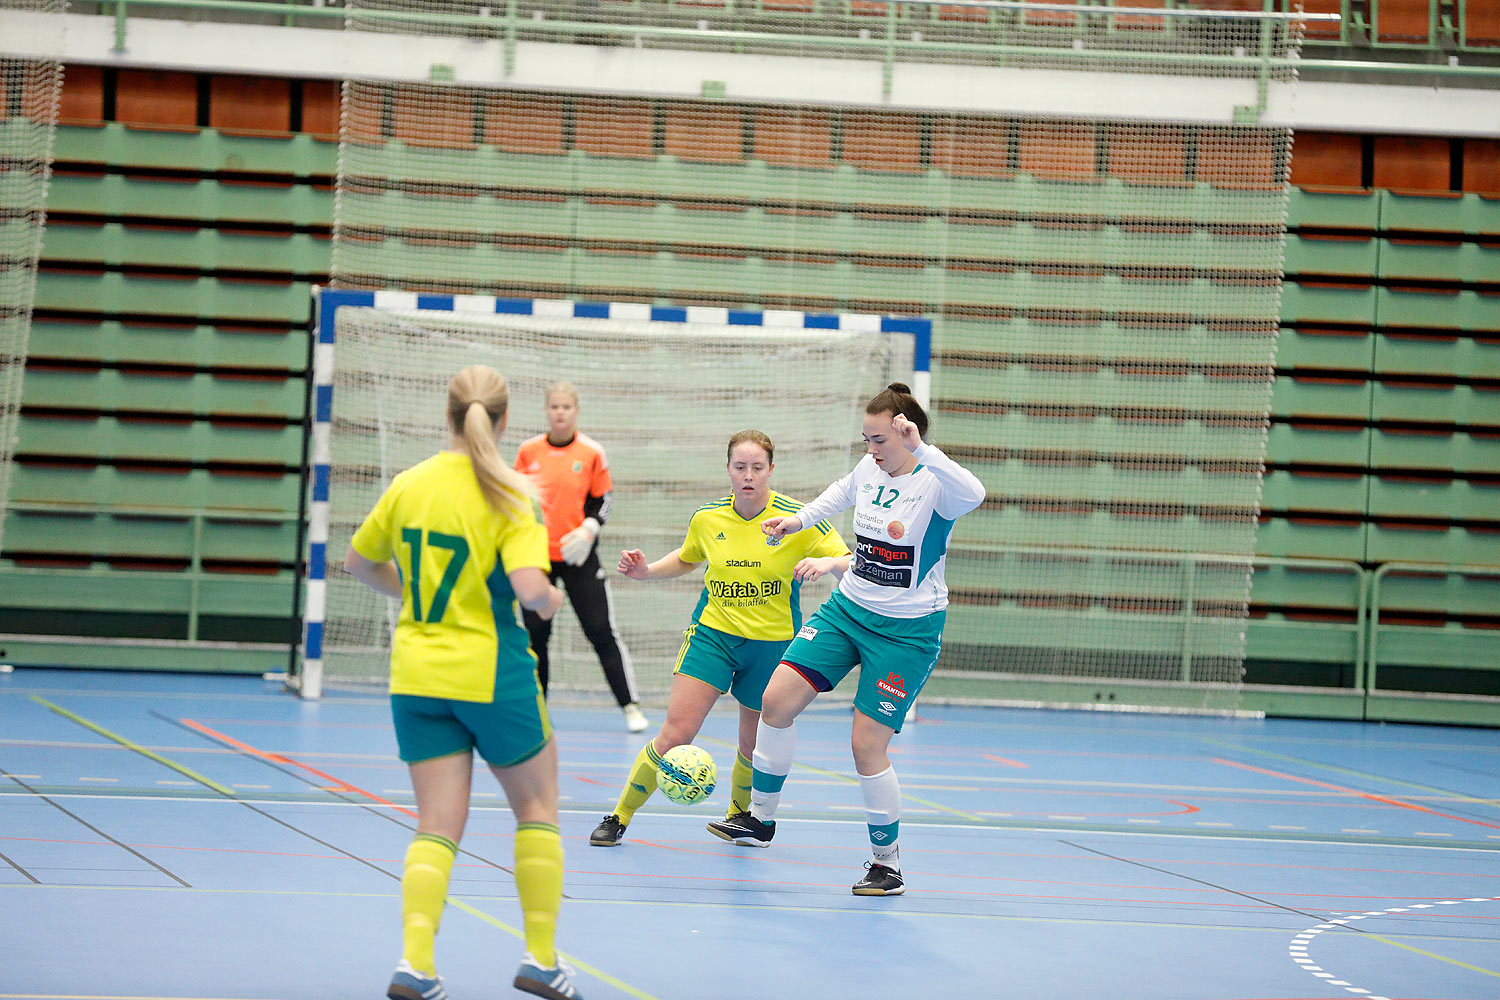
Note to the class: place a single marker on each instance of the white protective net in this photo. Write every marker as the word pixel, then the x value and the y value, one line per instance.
pixel 662 398
pixel 29 90
pixel 1085 200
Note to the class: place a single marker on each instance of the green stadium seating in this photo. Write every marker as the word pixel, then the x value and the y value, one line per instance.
pixel 158 440
pixel 264 202
pixel 155 343
pixel 1325 347
pixel 1411 211
pixel 162 391
pixel 1357 210
pixel 1439 261
pixel 1339 397
pixel 1310 537
pixel 1454 355
pixel 1324 302
pixel 115 293
pixel 1342 255
pixel 145 487
pixel 1312 442
pixel 1396 496
pixel 1458 309
pixel 1438 449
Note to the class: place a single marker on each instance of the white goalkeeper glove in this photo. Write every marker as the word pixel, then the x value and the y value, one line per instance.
pixel 578 543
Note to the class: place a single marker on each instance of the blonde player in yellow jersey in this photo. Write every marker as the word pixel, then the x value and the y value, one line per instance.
pixel 749 611
pixel 459 539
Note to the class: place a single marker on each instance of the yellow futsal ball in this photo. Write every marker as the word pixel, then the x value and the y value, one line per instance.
pixel 687 774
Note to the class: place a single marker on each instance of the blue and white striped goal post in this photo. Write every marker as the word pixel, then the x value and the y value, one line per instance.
pixel 308 679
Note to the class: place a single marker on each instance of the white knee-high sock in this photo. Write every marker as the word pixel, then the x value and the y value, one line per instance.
pixel 882 794
pixel 773 762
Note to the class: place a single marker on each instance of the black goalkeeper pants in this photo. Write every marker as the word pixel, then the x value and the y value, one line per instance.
pixel 587 588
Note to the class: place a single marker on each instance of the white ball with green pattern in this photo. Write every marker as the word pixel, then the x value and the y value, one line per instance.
pixel 687 774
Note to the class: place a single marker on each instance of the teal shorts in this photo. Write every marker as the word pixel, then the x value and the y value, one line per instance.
pixel 507 731
pixel 897 655
pixel 741 667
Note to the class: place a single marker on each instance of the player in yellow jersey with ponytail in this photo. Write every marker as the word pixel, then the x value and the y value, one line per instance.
pixel 749 611
pixel 459 539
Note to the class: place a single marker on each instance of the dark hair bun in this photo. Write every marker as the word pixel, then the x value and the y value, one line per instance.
pixel 901 387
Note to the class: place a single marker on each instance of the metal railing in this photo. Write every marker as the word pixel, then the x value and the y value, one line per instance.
pixel 746 25
pixel 1190 563
pixel 193 574
pixel 1422 569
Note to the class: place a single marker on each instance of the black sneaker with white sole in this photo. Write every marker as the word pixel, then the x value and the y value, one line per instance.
pixel 743 829
pixel 879 881
pixel 608 833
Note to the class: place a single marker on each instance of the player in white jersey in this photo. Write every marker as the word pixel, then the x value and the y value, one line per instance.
pixel 887 614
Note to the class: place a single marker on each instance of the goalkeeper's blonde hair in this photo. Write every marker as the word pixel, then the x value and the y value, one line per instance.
pixel 478 399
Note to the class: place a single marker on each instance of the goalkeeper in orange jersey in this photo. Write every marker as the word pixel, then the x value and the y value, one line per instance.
pixel 459 541
pixel 749 611
pixel 572 472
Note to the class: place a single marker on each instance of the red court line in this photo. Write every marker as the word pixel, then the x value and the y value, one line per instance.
pixel 339 784
pixel 1352 791
pixel 1003 760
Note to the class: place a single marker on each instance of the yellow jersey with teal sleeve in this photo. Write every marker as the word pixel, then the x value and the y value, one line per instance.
pixel 748 588
pixel 458 626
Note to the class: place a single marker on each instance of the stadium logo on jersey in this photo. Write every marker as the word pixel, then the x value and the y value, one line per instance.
pixel 893 685
pixel 742 562
pixel 895 529
pixel 807 632
pixel 886 708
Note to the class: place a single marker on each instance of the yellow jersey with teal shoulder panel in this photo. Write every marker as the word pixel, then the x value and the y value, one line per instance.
pixel 748 588
pixel 458 626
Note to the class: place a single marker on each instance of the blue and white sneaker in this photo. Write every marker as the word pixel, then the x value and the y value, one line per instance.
pixel 409 984
pixel 555 983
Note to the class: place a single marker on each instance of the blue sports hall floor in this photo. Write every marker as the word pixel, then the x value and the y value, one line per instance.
pixel 209 837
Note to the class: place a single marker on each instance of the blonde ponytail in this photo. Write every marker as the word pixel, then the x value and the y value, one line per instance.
pixel 477 398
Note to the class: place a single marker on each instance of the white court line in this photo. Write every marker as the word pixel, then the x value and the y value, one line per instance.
pixel 1298 945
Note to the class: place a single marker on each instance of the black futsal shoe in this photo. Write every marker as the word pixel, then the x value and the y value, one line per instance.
pixel 744 829
pixel 608 833
pixel 879 881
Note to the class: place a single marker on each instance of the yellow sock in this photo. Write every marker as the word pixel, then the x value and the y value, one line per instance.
pixel 739 790
pixel 641 784
pixel 539 880
pixel 424 890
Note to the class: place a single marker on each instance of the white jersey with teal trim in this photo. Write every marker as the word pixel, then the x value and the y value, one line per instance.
pixel 901 527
